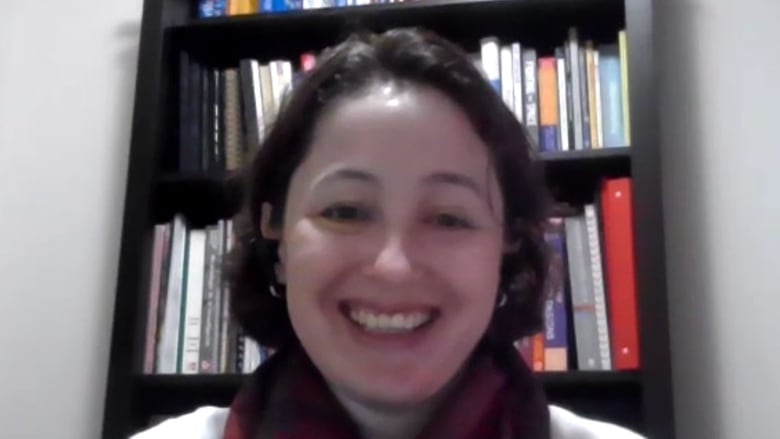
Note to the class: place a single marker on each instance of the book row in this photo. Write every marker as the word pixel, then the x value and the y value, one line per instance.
pixel 575 99
pixel 590 314
pixel 590 309
pixel 188 328
pixel 222 8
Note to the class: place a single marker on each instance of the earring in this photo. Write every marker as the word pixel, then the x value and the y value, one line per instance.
pixel 273 292
pixel 501 300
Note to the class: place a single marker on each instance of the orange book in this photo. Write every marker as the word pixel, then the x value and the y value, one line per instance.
pixel 620 272
pixel 538 352
pixel 233 7
pixel 548 104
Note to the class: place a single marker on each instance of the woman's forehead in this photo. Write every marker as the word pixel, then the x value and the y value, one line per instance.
pixel 389 126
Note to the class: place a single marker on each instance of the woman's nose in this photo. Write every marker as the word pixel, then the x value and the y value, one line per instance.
pixel 394 262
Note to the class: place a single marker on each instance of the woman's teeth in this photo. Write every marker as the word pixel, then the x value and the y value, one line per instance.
pixel 389 323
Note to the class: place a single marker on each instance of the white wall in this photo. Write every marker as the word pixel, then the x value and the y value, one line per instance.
pixel 67 72
pixel 720 92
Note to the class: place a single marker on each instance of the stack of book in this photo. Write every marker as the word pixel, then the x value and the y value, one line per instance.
pixel 221 8
pixel 573 99
pixel 188 328
pixel 591 308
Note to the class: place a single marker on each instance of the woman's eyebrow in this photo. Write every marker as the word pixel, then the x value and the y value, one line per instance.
pixel 456 179
pixel 349 174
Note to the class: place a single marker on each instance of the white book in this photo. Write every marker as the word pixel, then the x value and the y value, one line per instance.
pixel 599 135
pixel 277 83
pixel 193 302
pixel 597 277
pixel 507 78
pixel 574 58
pixel 168 347
pixel 491 62
pixel 517 80
pixel 563 111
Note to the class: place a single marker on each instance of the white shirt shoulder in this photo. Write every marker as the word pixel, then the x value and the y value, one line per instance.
pixel 209 423
pixel 203 423
pixel 567 425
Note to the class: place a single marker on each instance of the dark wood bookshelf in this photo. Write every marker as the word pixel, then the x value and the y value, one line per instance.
pixel 156 191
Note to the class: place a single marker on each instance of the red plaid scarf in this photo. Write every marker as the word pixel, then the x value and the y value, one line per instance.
pixel 287 398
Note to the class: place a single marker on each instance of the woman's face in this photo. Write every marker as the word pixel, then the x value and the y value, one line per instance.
pixel 391 244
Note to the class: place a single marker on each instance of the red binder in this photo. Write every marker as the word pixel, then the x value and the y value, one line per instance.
pixel 620 272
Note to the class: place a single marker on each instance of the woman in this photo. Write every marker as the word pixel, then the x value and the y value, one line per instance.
pixel 391 249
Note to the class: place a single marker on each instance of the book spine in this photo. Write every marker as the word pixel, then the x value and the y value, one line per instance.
pixel 232 123
pixel 517 80
pixel 153 303
pixel 563 111
pixel 193 303
pixel 611 97
pixel 538 353
pixel 573 72
pixel 209 317
pixel 583 305
pixel 218 146
pixel 206 8
pixel 491 61
pixel 205 119
pixel 548 104
pixel 597 278
pixel 167 349
pixel 621 272
pixel 164 274
pixel 586 135
pixel 220 8
pixel 597 95
pixel 592 115
pixel 531 95
pixel 249 74
pixel 556 331
pixel 623 47
pixel 507 78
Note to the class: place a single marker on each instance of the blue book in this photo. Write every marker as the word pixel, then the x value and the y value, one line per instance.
pixel 206 8
pixel 266 6
pixel 611 96
pixel 556 332
pixel 220 8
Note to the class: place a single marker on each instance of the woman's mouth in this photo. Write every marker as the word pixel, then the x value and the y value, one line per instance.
pixel 377 321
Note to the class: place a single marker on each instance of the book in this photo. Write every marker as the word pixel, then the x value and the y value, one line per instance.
pixel 531 95
pixel 616 204
pixel 624 82
pixel 563 96
pixel 491 61
pixel 556 348
pixel 507 77
pixel 517 81
pixel 193 303
pixel 167 360
pixel 548 104
pixel 611 96
pixel 597 280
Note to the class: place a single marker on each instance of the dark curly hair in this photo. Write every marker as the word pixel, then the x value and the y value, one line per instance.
pixel 404 57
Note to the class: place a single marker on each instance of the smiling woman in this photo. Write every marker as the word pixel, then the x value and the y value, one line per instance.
pixel 391 249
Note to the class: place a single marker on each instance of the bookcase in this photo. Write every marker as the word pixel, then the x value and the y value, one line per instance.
pixel 155 191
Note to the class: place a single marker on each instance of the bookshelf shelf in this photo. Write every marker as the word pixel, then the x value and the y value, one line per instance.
pixel 208 196
pixel 536 21
pixel 155 192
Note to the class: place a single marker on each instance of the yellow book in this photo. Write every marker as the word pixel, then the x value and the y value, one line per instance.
pixel 623 44
pixel 252 7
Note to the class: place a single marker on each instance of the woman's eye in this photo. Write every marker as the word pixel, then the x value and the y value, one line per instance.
pixel 451 221
pixel 344 213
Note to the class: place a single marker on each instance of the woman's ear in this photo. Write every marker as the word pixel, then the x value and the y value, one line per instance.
pixel 268 230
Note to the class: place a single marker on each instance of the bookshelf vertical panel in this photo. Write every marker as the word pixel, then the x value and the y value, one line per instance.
pixel 648 223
